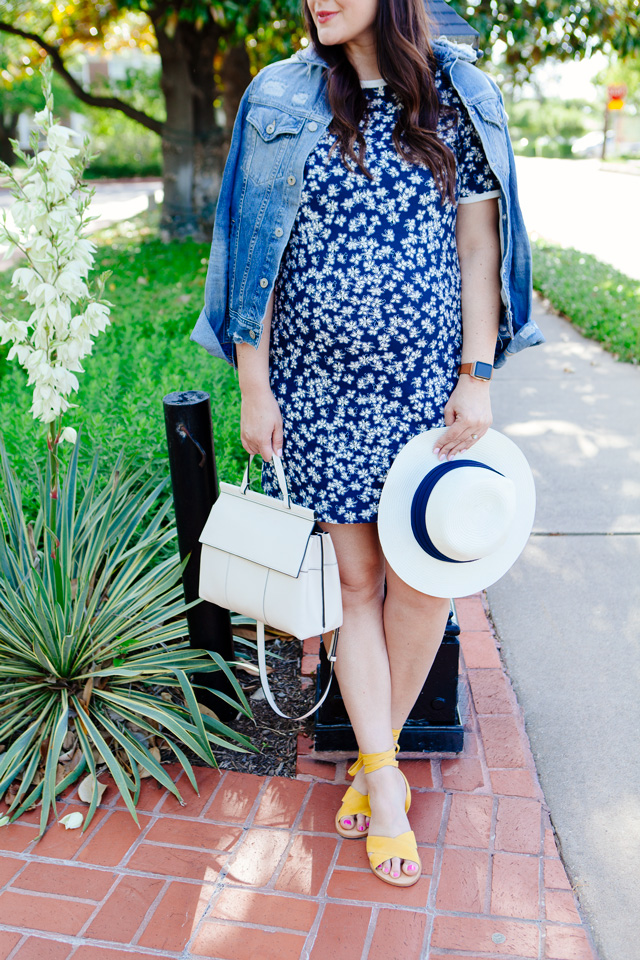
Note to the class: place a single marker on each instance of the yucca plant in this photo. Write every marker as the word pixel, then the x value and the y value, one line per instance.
pixel 94 667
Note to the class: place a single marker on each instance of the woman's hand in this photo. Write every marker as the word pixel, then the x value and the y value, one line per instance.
pixel 468 416
pixel 261 424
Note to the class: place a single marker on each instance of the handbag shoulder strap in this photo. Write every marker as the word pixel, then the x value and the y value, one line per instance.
pixel 264 680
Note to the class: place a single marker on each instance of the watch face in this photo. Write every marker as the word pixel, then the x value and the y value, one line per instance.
pixel 483 370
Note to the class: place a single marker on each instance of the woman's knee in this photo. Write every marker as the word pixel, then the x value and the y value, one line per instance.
pixel 360 562
pixel 362 584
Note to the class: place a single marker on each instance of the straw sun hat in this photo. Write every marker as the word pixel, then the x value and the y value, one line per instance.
pixel 450 529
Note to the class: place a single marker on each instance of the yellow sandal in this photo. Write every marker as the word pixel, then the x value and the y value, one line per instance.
pixel 354 802
pixel 404 845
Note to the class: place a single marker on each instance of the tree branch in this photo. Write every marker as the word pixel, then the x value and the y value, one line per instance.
pixel 110 103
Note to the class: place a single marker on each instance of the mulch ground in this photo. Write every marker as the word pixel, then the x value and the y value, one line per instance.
pixel 275 737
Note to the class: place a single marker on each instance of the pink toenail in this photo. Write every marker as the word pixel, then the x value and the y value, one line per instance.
pixel 395 874
pixel 411 867
pixel 347 823
pixel 387 870
pixel 360 828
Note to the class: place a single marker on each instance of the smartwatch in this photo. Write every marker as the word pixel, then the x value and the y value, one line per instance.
pixel 477 369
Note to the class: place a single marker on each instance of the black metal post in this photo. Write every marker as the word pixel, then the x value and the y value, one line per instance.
pixel 433 725
pixel 194 482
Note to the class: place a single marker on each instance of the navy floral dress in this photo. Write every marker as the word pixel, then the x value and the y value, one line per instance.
pixel 366 331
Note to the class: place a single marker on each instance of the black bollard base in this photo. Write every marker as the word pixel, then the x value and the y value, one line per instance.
pixel 195 489
pixel 434 724
pixel 416 737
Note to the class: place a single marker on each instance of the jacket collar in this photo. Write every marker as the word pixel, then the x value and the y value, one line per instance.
pixel 445 51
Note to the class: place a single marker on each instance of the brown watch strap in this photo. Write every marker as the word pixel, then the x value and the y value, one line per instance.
pixel 471 369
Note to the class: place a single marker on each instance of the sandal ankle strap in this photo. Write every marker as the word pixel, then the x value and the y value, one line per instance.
pixel 357 765
pixel 375 761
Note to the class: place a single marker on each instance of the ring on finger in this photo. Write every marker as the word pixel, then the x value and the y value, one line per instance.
pixel 474 436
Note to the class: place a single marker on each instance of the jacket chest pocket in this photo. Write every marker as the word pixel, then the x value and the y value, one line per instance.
pixel 270 136
pixel 491 111
pixel 491 123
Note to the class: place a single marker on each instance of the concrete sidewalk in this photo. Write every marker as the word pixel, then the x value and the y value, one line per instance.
pixel 568 613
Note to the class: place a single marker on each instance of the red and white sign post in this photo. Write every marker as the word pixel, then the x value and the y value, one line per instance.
pixel 616 93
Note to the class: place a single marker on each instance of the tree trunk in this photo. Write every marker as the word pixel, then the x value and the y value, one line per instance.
pixel 8 129
pixel 192 143
pixel 236 77
pixel 209 145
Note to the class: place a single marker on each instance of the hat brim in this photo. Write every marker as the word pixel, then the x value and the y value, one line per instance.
pixel 407 558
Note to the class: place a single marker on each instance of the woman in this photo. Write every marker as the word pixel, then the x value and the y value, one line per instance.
pixel 368 252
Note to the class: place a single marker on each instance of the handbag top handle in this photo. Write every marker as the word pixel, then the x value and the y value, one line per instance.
pixel 282 480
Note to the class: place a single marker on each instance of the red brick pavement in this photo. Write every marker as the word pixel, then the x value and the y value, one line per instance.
pixel 253 868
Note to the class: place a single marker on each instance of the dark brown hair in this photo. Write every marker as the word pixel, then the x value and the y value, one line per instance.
pixel 406 62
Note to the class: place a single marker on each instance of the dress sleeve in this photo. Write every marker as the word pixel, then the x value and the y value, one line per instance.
pixel 475 179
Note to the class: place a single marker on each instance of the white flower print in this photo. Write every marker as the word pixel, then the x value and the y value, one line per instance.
pixel 366 330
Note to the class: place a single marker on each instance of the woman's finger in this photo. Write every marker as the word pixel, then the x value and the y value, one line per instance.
pixel 255 446
pixel 452 436
pixel 466 438
pixel 466 442
pixel 277 438
pixel 266 451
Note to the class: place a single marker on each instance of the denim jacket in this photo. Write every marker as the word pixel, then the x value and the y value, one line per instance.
pixel 281 117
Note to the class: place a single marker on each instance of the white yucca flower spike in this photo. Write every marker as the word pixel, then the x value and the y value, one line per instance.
pixel 47 221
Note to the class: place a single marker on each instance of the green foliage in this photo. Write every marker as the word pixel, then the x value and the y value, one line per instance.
pixel 550 126
pixel 563 29
pixel 157 291
pixel 20 82
pixel 602 302
pixel 236 20
pixel 124 147
pixel 21 90
pixel 139 87
pixel 93 660
pixel 621 71
pixel 274 40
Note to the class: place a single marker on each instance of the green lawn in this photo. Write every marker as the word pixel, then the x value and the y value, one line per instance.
pixel 603 303
pixel 157 292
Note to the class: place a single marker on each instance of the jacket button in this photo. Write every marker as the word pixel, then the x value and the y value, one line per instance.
pixel 271 127
pixel 278 231
pixel 291 180
pixel 264 283
pixel 313 126
pixel 253 334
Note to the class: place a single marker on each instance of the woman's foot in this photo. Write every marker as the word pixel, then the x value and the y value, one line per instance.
pixel 387 795
pixel 356 824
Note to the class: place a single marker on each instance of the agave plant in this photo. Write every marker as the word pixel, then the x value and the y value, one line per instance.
pixel 94 667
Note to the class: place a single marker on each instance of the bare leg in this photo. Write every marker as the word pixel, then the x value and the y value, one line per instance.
pixel 362 668
pixel 414 624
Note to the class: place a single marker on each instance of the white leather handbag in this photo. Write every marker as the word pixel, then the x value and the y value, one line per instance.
pixel 266 558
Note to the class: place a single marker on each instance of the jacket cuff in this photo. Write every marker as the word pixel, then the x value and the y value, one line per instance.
pixel 204 335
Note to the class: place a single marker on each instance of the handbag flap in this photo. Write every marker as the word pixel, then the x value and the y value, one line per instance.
pixel 259 528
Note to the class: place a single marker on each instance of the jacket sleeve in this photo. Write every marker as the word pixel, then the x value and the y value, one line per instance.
pixel 211 329
pixel 526 332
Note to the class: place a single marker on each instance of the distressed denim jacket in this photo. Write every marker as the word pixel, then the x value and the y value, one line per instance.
pixel 281 117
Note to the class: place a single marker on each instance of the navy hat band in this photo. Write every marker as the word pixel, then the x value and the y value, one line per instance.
pixel 421 499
